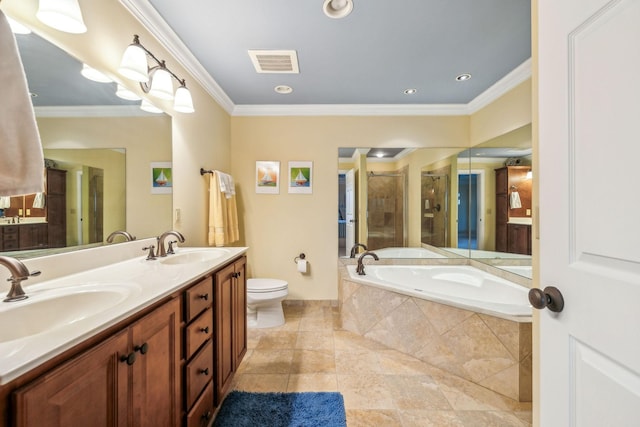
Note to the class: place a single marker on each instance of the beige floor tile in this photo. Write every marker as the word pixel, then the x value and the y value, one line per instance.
pixel 269 362
pixel 373 417
pixel 365 392
pixel 345 340
pixel 358 361
pixel 312 382
pixel 424 418
pixel 277 340
pixel 261 383
pixel 489 418
pixel 314 340
pixel 413 392
pixel 310 361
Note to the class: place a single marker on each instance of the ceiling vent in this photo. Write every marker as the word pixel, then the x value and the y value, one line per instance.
pixel 275 61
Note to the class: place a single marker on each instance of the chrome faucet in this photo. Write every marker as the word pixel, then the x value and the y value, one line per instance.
pixel 128 237
pixel 360 267
pixel 19 272
pixel 161 249
pixel 354 249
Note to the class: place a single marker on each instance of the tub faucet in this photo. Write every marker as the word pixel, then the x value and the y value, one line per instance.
pixel 360 267
pixel 162 252
pixel 19 272
pixel 128 237
pixel 354 249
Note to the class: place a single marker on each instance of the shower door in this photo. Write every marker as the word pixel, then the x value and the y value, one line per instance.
pixel 435 208
pixel 386 210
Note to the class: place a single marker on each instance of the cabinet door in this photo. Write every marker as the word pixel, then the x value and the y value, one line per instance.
pixel 156 371
pixel 225 353
pixel 239 312
pixel 89 390
pixel 519 239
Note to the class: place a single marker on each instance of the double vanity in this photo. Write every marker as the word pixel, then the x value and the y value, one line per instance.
pixel 109 337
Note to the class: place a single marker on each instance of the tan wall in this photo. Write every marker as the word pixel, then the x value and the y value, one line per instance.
pixel 278 227
pixel 145 140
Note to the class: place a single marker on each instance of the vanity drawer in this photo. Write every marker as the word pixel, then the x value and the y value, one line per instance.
pixel 202 411
pixel 199 331
pixel 198 297
pixel 198 373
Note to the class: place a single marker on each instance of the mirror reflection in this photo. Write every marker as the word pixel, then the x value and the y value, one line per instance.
pixel 440 202
pixel 98 150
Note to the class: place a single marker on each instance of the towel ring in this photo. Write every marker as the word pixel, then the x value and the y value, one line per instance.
pixel 299 257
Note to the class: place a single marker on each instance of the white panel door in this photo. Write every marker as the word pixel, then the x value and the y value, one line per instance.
pixel 589 147
pixel 350 209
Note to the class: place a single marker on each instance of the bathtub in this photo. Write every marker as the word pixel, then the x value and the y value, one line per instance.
pixel 401 252
pixel 461 286
pixel 458 318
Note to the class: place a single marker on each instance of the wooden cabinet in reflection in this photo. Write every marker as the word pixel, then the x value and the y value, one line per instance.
pixel 511 235
pixel 24 234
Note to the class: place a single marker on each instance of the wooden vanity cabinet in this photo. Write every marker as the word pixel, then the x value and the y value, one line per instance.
pixel 519 236
pixel 230 305
pixel 130 379
pixel 56 207
pixel 509 179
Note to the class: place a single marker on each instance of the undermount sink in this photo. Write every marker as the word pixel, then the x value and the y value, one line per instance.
pixel 190 256
pixel 47 310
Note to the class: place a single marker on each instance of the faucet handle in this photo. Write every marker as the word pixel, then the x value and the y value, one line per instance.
pixel 152 255
pixel 170 250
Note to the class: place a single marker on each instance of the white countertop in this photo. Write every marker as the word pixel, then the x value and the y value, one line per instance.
pixel 153 281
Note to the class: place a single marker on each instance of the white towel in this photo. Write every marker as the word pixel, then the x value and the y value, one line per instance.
pixel 22 161
pixel 5 202
pixel 38 201
pixel 514 200
pixel 227 186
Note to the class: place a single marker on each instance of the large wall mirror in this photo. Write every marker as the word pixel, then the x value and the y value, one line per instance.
pixel 440 202
pixel 104 148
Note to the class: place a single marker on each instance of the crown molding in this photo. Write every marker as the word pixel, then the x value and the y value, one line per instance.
pixel 92 111
pixel 153 21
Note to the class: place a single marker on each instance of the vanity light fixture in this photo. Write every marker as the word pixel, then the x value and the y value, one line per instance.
pixel 18 28
pixel 156 80
pixel 124 93
pixel 337 8
pixel 149 107
pixel 94 75
pixel 63 15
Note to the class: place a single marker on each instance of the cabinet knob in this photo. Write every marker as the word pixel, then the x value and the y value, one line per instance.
pixel 204 297
pixel 142 348
pixel 204 371
pixel 207 416
pixel 205 329
pixel 129 358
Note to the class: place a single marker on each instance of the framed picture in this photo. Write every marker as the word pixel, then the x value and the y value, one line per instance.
pixel 300 177
pixel 267 177
pixel 161 178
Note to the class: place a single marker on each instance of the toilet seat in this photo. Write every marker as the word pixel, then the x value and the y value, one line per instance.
pixel 266 285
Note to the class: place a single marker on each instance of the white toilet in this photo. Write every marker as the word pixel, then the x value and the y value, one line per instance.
pixel 264 302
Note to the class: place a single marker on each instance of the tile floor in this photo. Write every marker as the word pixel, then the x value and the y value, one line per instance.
pixel 381 386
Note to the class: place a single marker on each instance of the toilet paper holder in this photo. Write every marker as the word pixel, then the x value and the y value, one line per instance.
pixel 299 257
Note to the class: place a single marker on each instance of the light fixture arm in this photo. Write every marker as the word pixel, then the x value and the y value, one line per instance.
pixel 160 64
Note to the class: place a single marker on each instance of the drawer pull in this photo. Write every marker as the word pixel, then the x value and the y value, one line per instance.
pixel 206 416
pixel 204 371
pixel 205 329
pixel 142 348
pixel 204 297
pixel 129 358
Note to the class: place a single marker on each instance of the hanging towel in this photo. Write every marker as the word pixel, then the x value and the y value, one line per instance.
pixel 514 200
pixel 5 202
pixel 227 185
pixel 38 201
pixel 22 161
pixel 223 215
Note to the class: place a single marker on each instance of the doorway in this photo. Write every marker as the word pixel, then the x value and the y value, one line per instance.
pixel 470 201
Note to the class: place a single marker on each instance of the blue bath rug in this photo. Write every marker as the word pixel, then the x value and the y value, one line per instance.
pixel 244 409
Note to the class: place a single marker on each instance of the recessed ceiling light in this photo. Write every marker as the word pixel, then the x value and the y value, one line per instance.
pixel 463 77
pixel 283 89
pixel 337 8
pixel 33 94
pixel 410 91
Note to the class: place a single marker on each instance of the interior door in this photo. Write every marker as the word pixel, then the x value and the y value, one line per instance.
pixel 588 107
pixel 350 209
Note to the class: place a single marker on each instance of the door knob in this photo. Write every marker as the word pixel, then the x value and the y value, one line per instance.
pixel 550 298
